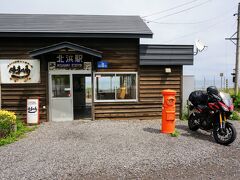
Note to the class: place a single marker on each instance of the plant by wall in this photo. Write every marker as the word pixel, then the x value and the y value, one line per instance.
pixel 7 122
pixel 21 130
pixel 185 113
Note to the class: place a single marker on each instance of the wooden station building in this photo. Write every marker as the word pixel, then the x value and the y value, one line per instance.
pixel 87 67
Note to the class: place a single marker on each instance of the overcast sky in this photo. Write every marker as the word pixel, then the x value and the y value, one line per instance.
pixel 211 21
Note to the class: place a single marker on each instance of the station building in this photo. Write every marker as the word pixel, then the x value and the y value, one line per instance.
pixel 87 67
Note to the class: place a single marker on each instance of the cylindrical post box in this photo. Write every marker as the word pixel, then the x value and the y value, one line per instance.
pixel 168 111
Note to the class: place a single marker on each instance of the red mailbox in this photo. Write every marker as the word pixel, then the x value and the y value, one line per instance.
pixel 168 111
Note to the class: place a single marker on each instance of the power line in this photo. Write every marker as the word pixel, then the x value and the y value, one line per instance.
pixel 184 10
pixel 174 22
pixel 166 10
pixel 203 30
pixel 198 22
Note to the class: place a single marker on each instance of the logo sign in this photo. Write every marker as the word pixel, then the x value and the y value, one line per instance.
pixel 32 111
pixel 102 64
pixel 87 65
pixel 20 71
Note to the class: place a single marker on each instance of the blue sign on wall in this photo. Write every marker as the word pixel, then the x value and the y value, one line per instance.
pixel 102 64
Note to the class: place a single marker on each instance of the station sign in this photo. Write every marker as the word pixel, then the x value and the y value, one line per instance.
pixel 69 62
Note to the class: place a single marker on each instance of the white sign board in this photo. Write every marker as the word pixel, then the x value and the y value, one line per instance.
pixel 20 71
pixel 32 111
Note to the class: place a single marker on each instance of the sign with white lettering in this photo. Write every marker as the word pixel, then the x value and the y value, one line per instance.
pixel 20 71
pixel 32 111
pixel 102 64
pixel 69 62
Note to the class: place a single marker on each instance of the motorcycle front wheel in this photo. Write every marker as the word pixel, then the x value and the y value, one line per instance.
pixel 227 136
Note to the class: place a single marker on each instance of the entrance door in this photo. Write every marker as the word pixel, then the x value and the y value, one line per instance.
pixel 61 97
pixel 82 96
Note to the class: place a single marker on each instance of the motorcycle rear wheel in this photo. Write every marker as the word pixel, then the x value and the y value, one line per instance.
pixel 192 122
pixel 227 138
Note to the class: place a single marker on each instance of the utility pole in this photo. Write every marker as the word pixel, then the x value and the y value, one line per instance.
pixel 237 50
pixel 227 85
pixel 204 83
pixel 223 86
pixel 221 75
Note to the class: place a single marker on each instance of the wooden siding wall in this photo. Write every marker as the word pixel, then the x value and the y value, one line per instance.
pixel 14 96
pixel 122 54
pixel 152 80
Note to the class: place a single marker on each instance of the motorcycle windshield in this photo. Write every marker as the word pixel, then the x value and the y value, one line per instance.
pixel 226 98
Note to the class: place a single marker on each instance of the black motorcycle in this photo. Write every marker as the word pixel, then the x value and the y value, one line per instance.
pixel 210 110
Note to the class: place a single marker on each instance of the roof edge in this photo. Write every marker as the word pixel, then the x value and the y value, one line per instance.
pixel 65 44
pixel 84 35
pixel 166 45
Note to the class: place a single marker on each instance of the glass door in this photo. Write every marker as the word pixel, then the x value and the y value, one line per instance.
pixel 61 100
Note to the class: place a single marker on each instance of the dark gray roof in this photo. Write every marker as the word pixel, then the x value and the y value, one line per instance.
pixel 73 25
pixel 63 45
pixel 166 54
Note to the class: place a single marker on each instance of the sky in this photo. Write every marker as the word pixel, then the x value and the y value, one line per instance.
pixel 172 22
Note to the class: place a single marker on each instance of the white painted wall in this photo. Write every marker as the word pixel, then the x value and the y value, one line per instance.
pixel 188 87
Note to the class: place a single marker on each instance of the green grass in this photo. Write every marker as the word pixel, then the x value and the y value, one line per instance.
pixel 22 129
pixel 176 133
pixel 184 116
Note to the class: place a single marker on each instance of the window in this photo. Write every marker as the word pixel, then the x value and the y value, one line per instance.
pixel 115 87
pixel 61 86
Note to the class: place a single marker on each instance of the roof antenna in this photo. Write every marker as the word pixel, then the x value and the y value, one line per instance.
pixel 200 46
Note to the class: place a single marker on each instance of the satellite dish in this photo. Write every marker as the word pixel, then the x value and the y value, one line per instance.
pixel 200 46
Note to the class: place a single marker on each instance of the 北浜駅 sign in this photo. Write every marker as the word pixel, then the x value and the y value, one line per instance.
pixel 20 71
pixel 69 62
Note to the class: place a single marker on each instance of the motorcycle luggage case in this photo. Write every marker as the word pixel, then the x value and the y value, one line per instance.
pixel 198 98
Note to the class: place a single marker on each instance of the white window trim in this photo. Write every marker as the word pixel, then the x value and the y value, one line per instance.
pixel 115 100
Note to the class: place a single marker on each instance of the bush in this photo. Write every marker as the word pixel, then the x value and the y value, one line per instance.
pixel 236 100
pixel 22 129
pixel 235 116
pixel 7 122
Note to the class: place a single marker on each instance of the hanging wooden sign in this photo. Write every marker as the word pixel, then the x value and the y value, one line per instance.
pixel 20 71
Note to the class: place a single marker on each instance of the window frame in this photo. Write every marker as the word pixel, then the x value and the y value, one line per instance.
pixel 61 97
pixel 114 100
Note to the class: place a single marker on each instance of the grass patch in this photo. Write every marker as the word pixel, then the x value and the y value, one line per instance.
pixel 176 133
pixel 185 113
pixel 16 135
pixel 184 116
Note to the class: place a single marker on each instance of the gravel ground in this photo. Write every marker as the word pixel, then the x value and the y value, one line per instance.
pixel 118 150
